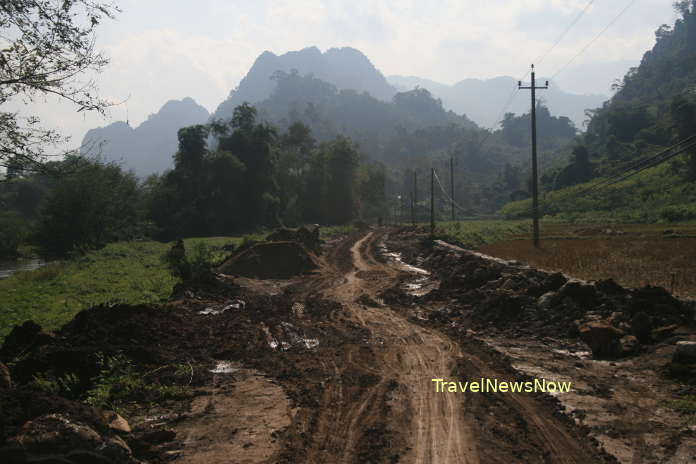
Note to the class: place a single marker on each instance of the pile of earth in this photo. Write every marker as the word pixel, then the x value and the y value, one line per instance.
pixel 486 291
pixel 271 260
pixel 51 374
pixel 309 238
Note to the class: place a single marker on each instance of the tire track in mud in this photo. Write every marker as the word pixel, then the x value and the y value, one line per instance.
pixel 436 432
pixel 432 427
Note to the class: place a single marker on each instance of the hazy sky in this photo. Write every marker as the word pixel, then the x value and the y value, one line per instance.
pixel 166 49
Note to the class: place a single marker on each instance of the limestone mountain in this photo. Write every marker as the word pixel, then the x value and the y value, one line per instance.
pixel 148 148
pixel 344 68
pixel 482 100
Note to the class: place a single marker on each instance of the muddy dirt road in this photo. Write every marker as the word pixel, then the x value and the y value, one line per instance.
pixel 425 426
pixel 334 366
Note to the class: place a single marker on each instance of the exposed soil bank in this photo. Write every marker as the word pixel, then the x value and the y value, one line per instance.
pixel 537 321
pixel 325 367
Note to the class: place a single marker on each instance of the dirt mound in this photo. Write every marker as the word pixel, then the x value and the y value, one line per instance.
pixel 309 238
pixel 507 294
pixel 271 260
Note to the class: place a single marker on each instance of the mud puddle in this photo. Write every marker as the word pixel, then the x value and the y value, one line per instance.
pixel 419 283
pixel 625 403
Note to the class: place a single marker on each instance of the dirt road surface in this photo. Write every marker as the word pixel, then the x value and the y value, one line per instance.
pixel 337 366
pixel 432 427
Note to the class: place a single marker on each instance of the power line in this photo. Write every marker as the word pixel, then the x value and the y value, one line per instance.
pixel 589 44
pixel 449 198
pixel 577 18
pixel 652 164
pixel 640 164
pixel 633 169
pixel 538 61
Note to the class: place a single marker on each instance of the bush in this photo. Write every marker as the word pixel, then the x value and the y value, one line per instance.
pixel 201 262
pixel 677 213
pixel 194 266
pixel 95 205
pixel 13 231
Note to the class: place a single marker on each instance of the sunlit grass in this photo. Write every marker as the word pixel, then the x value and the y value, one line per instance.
pixel 124 272
pixel 475 233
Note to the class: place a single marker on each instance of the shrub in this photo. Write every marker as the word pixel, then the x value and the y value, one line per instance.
pixel 13 231
pixel 88 208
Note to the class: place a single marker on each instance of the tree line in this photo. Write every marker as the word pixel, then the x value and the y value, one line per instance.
pixel 229 177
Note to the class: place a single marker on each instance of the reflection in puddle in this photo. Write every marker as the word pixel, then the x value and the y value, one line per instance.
pixel 418 287
pixel 224 367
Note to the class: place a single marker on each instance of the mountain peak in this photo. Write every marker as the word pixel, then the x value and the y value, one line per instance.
pixel 345 68
pixel 149 147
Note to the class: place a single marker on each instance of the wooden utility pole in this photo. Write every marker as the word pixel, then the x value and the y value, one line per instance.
pixel 413 212
pixel 415 194
pixel 432 202
pixel 452 184
pixel 535 175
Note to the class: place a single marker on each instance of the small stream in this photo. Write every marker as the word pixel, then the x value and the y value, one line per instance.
pixel 9 267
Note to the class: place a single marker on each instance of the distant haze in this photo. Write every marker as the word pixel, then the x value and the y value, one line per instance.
pixel 148 148
pixel 163 50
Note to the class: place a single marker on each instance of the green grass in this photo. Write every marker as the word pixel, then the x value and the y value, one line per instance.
pixel 475 233
pixel 124 272
pixel 326 233
pixel 656 195
pixel 687 406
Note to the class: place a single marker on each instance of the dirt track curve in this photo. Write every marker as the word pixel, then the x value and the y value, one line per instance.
pixel 430 427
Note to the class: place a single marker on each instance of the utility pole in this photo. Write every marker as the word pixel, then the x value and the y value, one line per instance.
pixel 452 184
pixel 413 210
pixel 432 202
pixel 535 184
pixel 415 194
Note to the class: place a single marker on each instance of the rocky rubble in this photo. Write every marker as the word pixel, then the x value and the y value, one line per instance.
pixel 308 238
pixel 612 320
pixel 683 363
pixel 69 441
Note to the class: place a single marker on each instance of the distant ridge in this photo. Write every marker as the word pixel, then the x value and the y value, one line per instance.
pixel 345 68
pixel 148 148
pixel 482 100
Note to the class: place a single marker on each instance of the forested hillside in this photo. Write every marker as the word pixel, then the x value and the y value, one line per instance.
pixel 344 68
pixel 481 99
pixel 146 149
pixel 653 108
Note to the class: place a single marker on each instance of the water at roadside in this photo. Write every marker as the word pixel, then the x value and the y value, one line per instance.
pixel 9 267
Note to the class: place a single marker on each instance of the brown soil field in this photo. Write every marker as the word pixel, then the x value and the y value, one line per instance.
pixel 633 255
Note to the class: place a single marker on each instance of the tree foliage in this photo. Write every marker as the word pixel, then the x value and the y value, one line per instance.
pixel 47 49
pixel 91 206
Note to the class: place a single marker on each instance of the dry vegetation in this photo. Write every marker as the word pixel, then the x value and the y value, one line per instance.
pixel 633 255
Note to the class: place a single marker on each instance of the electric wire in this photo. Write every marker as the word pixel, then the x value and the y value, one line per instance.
pixel 538 61
pixel 577 18
pixel 633 169
pixel 589 44
pixel 447 196
pixel 640 164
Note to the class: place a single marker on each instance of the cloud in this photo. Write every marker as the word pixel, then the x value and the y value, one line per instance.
pixel 162 50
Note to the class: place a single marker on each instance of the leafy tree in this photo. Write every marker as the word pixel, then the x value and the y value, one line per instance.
pixel 683 111
pixel 579 170
pixel 47 47
pixel 372 179
pixel 551 130
pixel 91 206
pixel 343 161
pixel 13 230
pixel 251 142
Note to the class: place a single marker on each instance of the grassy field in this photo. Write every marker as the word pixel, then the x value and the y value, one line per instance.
pixel 476 233
pixel 124 272
pixel 632 254
pixel 128 272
